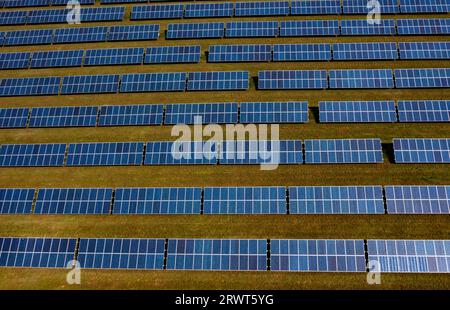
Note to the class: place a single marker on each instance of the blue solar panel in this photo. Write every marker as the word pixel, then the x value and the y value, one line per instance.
pixel 357 111
pixel 336 200
pixel 198 10
pixel 343 151
pixel 78 35
pixel 424 50
pixel 418 256
pixel 418 199
pixel 121 253
pixel 303 28
pixel 270 8
pixel 16 200
pixel 364 7
pixel 361 27
pixel 428 26
pixel 47 16
pixel 114 56
pixel 98 14
pixel 73 201
pixel 29 86
pixel 13 18
pixel 105 154
pixel 169 11
pixel 50 59
pixel 422 78
pixel 317 255
pixel 424 111
pixel 293 79
pixel 131 115
pixel 19 60
pixel 29 155
pixel 37 252
pixel 364 78
pixel 2 38
pixel 218 80
pixel 195 31
pixel 181 153
pixel 29 37
pixel 315 7
pixel 63 117
pixel 185 200
pixel 27 3
pixel 210 113
pixel 172 54
pixel 216 254
pixel 133 32
pixel 244 200
pixel 14 117
pixel 274 112
pixel 424 6
pixel 150 82
pixel 301 52
pixel 90 84
pixel 240 53
pixel 421 151
pixel 64 2
pixel 365 51
pixel 252 29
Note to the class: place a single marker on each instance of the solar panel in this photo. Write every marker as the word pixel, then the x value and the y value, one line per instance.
pixel 133 32
pixel 357 111
pixel 240 53
pixel 336 200
pixel 80 34
pixel 401 256
pixel 19 60
pixel 13 18
pixel 181 153
pixel 252 29
pixel 195 31
pixel 63 117
pixel 418 199
pixel 98 14
pixel 150 82
pixel 361 27
pixel 317 255
pixel 363 78
pixel 29 37
pixel 16 200
pixel 424 110
pixel 114 56
pixel 169 11
pixel 73 201
pixel 37 252
pixel 32 155
pixel 172 54
pixel 183 200
pixel 121 1
pixel 424 50
pixel 121 253
pixel 29 86
pixel 198 10
pixel 131 115
pixel 343 151
pixel 14 117
pixel 50 59
pixel 26 3
pixel 217 254
pixel 426 26
pixel 365 51
pixel 210 113
pixel 270 8
pixel 105 154
pixel 64 2
pixel 47 16
pixel 293 79
pixel 424 6
pixel 244 200
pixel 363 7
pixel 421 151
pixel 422 78
pixel 274 112
pixel 2 38
pixel 218 80
pixel 303 28
pixel 301 52
pixel 90 84
pixel 315 7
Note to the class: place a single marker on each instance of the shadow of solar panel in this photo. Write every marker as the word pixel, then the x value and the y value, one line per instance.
pixel 29 86
pixel 252 29
pixel 209 113
pixel 184 200
pixel 133 32
pixel 422 78
pixel 121 253
pixel 25 3
pixel 16 200
pixel 265 152
pixel 304 28
pixel 274 112
pixel 270 8
pixel 293 79
pixel 172 54
pixel 15 60
pixel 424 50
pixel 417 256
pixel 198 10
pixel 37 252
pixel 217 254
pixel 315 7
pixel 50 59
pixel 14 117
pixel 193 31
pixel 181 153
pixel 408 151
pixel 13 18
pixel 363 7
pixel 131 115
pixel 301 52
pixel 424 110
pixel 418 199
pixel 360 27
pixel 169 11
pixel 29 37
pixel 105 154
pixel 365 51
pixel 90 84
pixel 343 151
pixel 63 117
pixel 428 26
pixel 317 255
pixel 424 6
pixel 114 56
pixel 73 201
pixel 240 53
pixel 363 78
pixel 245 200
pixel 357 111
pixel 218 80
pixel 153 82
pixel 336 200
pixel 80 34
pixel 32 155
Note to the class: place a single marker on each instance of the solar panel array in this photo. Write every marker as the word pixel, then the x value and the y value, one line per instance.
pixel 28 155
pixel 218 80
pixel 274 112
pixel 195 31
pixel 251 29
pixel 127 115
pixel 16 200
pixel 151 82
pixel 422 78
pixel 172 54
pixel 35 86
pixel 15 60
pixel 199 10
pixel 422 150
pixel 90 84
pixel 424 50
pixel 363 7
pixel 50 59
pixel 14 118
pixel 357 111
pixel 240 53
pixel 210 113
pixel 424 6
pixel 315 7
pixel 63 117
pixel 301 52
pixel 360 27
pixel 424 110
pixel 361 78
pixel 418 199
pixel 303 28
pixel 270 8
pixel 365 51
pixel 168 11
pixel 114 56
pixel 420 26
pixel 294 79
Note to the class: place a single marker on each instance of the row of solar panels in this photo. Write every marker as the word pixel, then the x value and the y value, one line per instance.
pixel 309 255
pixel 226 113
pixel 228 152
pixel 228 200
pixel 37 3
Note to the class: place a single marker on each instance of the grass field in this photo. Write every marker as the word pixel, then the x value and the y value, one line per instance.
pixel 351 226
